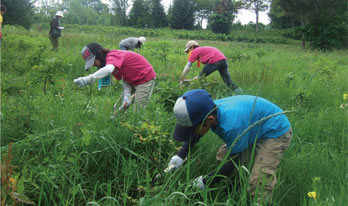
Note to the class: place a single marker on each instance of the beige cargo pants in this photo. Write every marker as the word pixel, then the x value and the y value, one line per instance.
pixel 143 93
pixel 268 153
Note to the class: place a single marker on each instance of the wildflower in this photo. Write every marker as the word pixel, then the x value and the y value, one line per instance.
pixel 345 96
pixel 312 194
pixel 13 180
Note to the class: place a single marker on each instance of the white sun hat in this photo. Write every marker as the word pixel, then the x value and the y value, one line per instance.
pixel 142 39
pixel 60 13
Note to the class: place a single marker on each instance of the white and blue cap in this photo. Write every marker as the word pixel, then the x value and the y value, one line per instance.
pixel 190 110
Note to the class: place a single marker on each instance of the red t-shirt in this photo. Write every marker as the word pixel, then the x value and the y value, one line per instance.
pixel 130 66
pixel 206 55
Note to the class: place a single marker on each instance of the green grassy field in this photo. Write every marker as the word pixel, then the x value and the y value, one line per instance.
pixel 67 151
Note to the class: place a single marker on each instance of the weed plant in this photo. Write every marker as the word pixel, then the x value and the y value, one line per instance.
pixel 67 151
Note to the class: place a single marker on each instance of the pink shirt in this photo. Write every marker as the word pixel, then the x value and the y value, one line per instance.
pixel 130 66
pixel 206 55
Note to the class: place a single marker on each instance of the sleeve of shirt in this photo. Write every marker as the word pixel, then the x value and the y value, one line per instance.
pixel 103 72
pixel 127 92
pixel 187 146
pixel 186 70
pixel 193 56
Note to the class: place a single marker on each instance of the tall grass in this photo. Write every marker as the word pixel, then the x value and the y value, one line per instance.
pixel 67 150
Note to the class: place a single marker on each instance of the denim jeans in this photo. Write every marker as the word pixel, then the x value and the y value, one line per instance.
pixel 123 47
pixel 222 66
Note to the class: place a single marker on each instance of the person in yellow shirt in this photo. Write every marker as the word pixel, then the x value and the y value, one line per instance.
pixel 3 10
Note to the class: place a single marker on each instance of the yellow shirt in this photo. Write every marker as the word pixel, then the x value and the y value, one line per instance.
pixel 0 18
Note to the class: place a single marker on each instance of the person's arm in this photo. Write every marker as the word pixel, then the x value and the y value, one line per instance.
pixel 187 146
pixel 186 70
pixel 127 92
pixel 217 176
pixel 139 45
pixel 90 79
pixel 178 160
pixel 55 23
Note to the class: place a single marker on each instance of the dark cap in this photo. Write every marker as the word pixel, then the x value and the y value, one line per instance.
pixel 190 110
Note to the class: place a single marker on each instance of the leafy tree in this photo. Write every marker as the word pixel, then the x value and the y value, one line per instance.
pixel 220 23
pixel 256 6
pixel 96 5
pixel 158 15
pixel 224 12
pixel 301 10
pixel 279 18
pixel 120 8
pixel 139 15
pixel 327 26
pixel 204 10
pixel 182 16
pixel 19 12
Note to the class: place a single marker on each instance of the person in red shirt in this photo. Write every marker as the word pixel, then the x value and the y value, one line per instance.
pixel 213 59
pixel 133 69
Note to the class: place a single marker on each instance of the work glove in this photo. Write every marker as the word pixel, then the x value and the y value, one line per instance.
pixel 60 27
pixel 198 183
pixel 174 163
pixel 124 106
pixel 238 91
pixel 80 82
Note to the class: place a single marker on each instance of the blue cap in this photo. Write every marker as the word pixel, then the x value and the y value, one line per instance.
pixel 190 110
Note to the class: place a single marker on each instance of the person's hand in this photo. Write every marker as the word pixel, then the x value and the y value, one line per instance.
pixel 80 82
pixel 174 163
pixel 238 91
pixel 198 183
pixel 181 82
pixel 182 79
pixel 124 106
pixel 60 27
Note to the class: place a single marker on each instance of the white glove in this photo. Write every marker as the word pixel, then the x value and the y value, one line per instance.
pixel 198 183
pixel 175 162
pixel 60 27
pixel 80 82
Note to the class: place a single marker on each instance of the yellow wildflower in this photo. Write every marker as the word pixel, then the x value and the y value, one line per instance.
pixel 345 96
pixel 312 194
pixel 13 180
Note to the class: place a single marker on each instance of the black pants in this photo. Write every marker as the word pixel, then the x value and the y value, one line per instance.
pixel 222 66
pixel 54 42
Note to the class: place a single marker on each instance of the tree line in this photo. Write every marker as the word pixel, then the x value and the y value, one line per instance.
pixel 323 23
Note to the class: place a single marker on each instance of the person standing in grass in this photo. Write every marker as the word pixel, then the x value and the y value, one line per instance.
pixel 55 30
pixel 261 123
pixel 213 59
pixel 2 12
pixel 133 69
pixel 132 43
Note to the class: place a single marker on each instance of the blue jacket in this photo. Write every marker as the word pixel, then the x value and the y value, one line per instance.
pixel 237 113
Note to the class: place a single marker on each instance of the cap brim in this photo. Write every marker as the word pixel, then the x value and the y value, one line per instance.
pixel 89 63
pixel 183 133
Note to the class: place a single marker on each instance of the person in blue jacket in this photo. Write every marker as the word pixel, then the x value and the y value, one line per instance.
pixel 240 121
